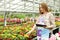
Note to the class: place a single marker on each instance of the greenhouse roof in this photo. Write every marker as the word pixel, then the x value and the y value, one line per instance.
pixel 26 5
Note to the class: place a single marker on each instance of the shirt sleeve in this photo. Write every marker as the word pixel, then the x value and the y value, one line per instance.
pixel 52 20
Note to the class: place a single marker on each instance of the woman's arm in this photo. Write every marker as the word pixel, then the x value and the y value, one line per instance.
pixel 32 29
pixel 52 21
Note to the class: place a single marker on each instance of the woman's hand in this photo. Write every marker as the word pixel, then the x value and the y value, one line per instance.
pixel 27 35
pixel 49 27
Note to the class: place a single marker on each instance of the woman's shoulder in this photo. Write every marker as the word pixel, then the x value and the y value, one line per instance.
pixel 50 13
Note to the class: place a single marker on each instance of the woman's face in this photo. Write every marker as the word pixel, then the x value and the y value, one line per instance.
pixel 41 9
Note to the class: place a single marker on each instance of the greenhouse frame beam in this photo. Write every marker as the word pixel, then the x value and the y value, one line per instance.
pixel 20 12
pixel 4 13
pixel 32 1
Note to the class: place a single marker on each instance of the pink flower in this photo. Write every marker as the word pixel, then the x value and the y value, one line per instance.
pixel 52 37
pixel 59 34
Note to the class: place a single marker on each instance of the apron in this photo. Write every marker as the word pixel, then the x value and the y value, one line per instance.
pixel 42 33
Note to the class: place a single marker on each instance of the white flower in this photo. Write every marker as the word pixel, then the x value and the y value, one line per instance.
pixel 57 36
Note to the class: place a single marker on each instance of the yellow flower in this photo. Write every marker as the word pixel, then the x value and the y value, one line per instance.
pixel 26 35
pixel 13 36
pixel 4 30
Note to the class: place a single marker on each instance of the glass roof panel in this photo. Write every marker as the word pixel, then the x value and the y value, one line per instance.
pixel 24 5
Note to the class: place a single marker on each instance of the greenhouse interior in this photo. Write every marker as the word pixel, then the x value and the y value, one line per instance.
pixel 17 18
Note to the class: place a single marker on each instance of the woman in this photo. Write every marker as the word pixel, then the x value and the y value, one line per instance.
pixel 44 23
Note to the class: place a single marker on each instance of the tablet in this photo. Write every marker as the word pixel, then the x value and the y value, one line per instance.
pixel 40 25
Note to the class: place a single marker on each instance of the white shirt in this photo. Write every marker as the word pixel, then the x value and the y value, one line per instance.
pixel 46 19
